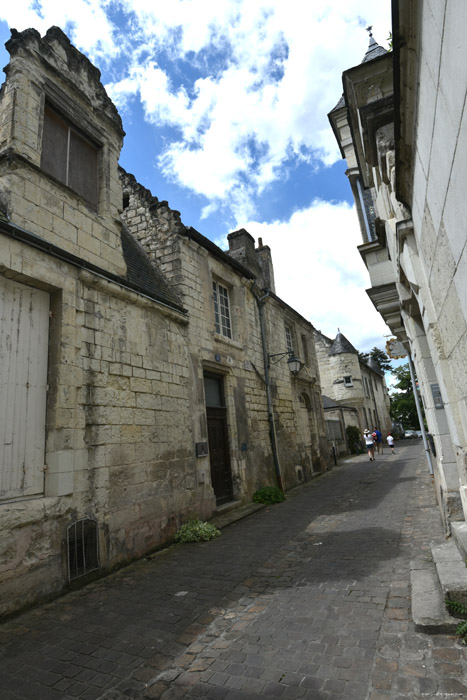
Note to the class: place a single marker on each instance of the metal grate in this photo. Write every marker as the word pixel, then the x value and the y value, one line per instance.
pixel 82 548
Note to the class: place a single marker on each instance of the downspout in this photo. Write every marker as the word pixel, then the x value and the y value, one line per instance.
pixel 374 402
pixel 272 428
pixel 419 413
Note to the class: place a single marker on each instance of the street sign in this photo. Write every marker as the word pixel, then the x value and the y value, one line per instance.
pixel 395 350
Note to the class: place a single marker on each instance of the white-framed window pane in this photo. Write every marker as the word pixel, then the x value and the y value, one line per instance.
pixel 288 339
pixel 221 310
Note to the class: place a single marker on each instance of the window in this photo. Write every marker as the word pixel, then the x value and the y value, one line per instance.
pixel 348 381
pixel 83 552
pixel 69 156
pixel 288 339
pixel 305 351
pixel 221 310
pixel 367 388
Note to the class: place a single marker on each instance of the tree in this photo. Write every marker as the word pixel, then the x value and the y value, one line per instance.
pixel 379 356
pixel 403 409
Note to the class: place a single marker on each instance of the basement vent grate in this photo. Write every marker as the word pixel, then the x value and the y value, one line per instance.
pixel 82 548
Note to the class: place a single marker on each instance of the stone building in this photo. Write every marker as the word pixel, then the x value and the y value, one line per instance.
pixel 401 126
pixel 138 389
pixel 351 383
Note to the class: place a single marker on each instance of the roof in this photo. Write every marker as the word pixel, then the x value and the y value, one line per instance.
pixel 143 273
pixel 372 364
pixel 329 403
pixel 373 51
pixel 342 345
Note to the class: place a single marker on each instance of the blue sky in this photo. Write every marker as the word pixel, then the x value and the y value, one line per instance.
pixel 224 103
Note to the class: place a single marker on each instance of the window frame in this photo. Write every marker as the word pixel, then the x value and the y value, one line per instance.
pixel 66 167
pixel 289 339
pixel 222 310
pixel 349 378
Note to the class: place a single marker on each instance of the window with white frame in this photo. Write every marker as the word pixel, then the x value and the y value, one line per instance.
pixel 221 309
pixel 288 339
pixel 348 380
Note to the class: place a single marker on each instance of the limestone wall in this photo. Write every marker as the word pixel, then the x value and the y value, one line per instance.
pixel 49 70
pixel 118 395
pixel 191 266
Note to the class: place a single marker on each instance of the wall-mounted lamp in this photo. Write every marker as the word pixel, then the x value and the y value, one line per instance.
pixel 294 363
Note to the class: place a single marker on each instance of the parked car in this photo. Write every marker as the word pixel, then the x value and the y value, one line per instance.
pixel 410 434
pixel 418 433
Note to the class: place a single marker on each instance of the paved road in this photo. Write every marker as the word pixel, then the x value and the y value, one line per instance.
pixel 306 599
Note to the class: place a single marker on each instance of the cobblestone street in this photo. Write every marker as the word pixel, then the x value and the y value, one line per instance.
pixel 306 599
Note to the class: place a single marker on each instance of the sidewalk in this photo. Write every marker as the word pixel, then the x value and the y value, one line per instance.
pixel 306 599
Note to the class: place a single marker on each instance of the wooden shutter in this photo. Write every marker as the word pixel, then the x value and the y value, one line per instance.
pixel 24 317
pixel 54 154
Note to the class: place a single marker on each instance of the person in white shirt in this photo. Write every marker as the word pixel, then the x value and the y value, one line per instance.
pixel 390 441
pixel 370 445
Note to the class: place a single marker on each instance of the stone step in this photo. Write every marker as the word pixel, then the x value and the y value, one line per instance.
pixel 451 570
pixel 428 608
pixel 459 535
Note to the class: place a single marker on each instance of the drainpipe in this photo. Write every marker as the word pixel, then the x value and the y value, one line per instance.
pixel 272 428
pixel 419 413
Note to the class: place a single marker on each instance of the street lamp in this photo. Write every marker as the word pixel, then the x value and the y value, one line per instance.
pixel 294 363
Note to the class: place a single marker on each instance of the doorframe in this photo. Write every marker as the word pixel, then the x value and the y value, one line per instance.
pixel 220 376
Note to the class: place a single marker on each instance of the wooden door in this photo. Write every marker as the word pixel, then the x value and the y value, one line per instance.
pixel 24 326
pixel 216 414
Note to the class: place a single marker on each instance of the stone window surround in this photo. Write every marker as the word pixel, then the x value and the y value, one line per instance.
pixel 71 158
pixel 72 112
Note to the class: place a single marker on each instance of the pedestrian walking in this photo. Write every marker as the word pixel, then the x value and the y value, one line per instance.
pixel 378 440
pixel 390 441
pixel 370 445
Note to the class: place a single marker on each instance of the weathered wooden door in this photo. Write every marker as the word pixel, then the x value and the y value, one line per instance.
pixel 24 324
pixel 216 414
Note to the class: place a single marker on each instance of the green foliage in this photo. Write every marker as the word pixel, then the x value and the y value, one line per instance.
pixel 458 608
pixel 379 356
pixel 268 495
pixel 403 409
pixel 389 40
pixel 196 531
pixel 353 439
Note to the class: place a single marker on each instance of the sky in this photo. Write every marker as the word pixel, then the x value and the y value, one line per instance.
pixel 224 104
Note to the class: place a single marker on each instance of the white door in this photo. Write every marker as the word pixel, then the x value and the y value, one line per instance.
pixel 24 331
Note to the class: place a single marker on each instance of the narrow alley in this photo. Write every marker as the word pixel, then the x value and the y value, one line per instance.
pixel 306 599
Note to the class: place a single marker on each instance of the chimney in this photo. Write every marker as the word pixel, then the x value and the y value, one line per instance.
pixel 259 261
pixel 264 258
pixel 242 249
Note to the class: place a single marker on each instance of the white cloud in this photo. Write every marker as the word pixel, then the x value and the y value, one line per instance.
pixel 261 77
pixel 319 272
pixel 85 22
pixel 275 79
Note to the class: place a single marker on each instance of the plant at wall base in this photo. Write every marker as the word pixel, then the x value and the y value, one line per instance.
pixel 269 495
pixel 353 439
pixel 454 606
pixel 196 531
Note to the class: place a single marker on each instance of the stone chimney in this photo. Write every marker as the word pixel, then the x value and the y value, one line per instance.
pixel 242 249
pixel 263 256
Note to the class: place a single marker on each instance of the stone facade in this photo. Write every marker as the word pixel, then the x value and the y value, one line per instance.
pixel 401 127
pixel 352 383
pixel 112 415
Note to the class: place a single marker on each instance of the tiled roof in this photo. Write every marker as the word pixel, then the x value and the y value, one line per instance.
pixel 143 273
pixel 341 345
pixel 374 50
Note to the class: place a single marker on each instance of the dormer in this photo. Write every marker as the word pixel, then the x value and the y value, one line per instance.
pixel 60 140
